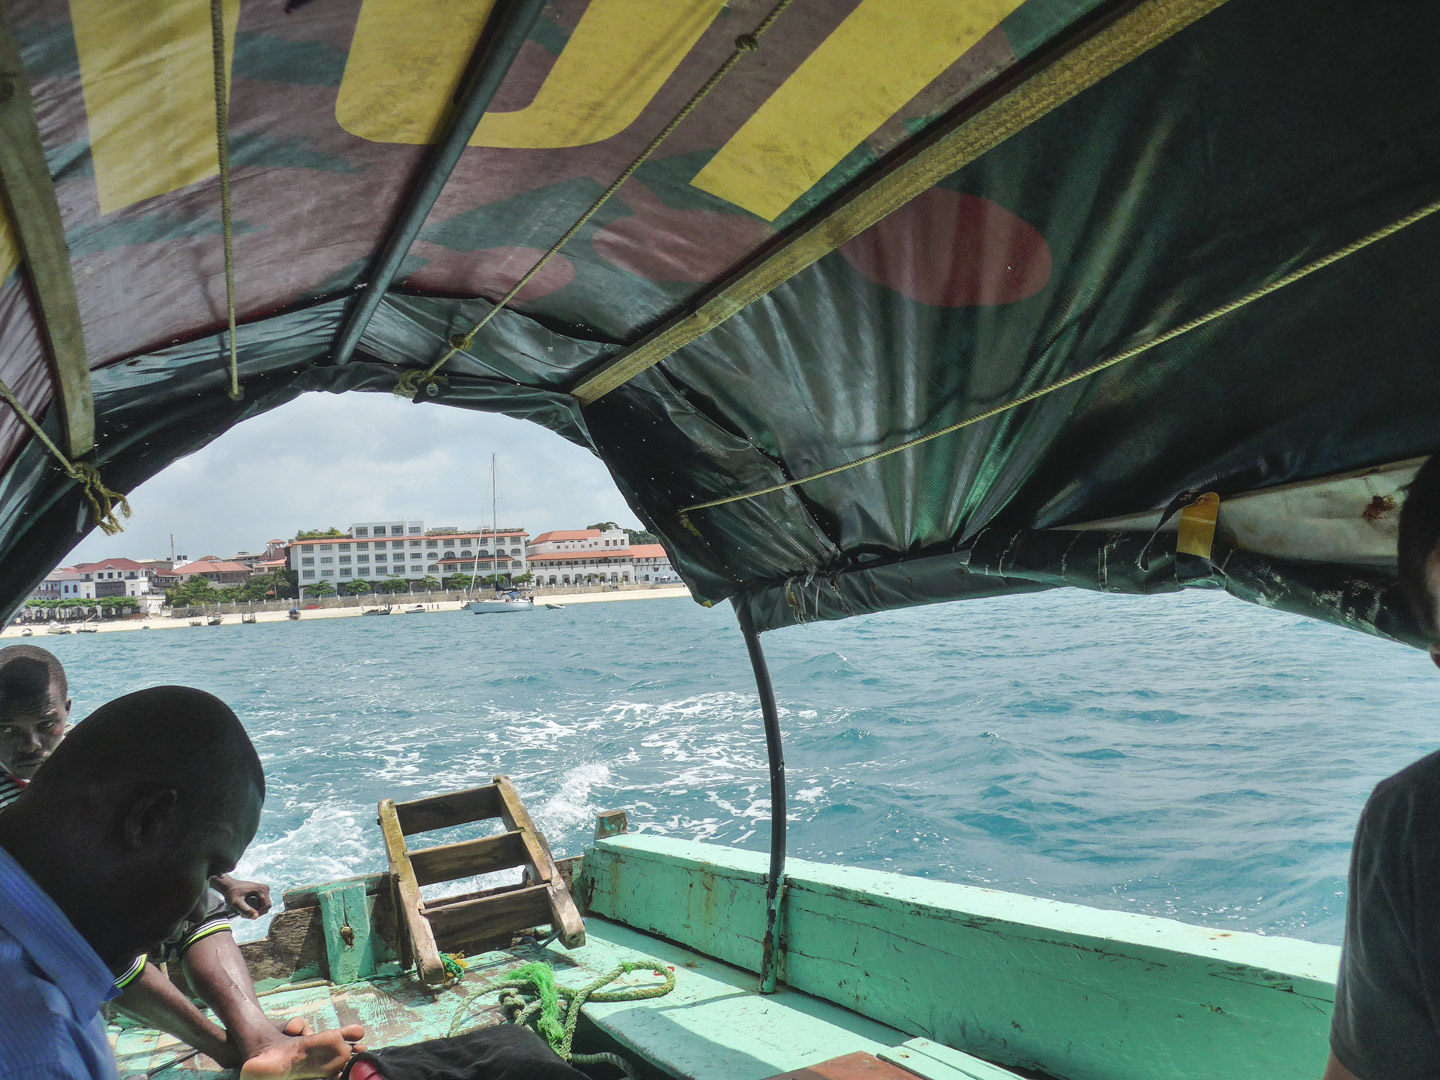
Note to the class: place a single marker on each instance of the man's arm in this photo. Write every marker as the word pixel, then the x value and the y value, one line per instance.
pixel 250 898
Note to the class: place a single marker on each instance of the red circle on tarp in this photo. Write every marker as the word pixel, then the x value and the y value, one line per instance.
pixel 946 249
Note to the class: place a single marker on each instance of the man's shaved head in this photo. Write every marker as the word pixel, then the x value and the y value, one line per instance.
pixel 173 735
pixel 31 669
pixel 124 824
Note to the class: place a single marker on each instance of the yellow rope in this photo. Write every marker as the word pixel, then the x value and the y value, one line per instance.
pixel 410 382
pixel 222 150
pixel 103 501
pixel 1094 369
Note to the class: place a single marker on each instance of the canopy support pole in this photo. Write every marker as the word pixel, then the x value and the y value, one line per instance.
pixel 29 195
pixel 775 881
pixel 495 53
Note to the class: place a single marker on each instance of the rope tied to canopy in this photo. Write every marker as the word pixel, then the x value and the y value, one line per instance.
pixel 222 151
pixel 410 383
pixel 1227 308
pixel 103 501
pixel 532 997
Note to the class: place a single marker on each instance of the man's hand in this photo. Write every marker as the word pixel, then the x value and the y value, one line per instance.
pixel 249 898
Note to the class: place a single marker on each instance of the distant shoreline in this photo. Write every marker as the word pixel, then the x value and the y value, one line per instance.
pixel 157 622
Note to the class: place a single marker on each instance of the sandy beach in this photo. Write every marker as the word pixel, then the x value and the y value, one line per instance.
pixel 156 622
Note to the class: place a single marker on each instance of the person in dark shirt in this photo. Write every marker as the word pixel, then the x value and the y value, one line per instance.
pixel 1386 1024
pixel 124 826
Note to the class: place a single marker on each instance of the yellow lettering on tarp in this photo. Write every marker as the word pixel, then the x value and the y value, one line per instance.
pixel 9 246
pixel 147 77
pixel 407 59
pixel 881 56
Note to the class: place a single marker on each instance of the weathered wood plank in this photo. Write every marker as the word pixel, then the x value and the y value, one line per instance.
pixel 1064 989
pixel 517 819
pixel 307 895
pixel 444 811
pixel 459 925
pixel 422 939
pixel 469 857
pixel 564 916
pixel 349 943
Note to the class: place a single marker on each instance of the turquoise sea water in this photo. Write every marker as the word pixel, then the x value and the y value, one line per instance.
pixel 1188 756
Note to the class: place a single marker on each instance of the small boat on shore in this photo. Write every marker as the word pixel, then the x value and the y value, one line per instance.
pixel 58 628
pixel 294 613
pixel 418 609
pixel 248 617
pixel 27 632
pixel 377 610
pixel 87 629
pixel 196 622
pixel 214 620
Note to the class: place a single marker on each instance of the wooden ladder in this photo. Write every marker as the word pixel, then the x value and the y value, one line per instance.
pixel 461 923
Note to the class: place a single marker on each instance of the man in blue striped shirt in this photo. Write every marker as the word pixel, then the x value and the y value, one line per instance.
pixel 153 795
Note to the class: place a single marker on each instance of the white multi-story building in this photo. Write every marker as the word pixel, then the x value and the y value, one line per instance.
pixel 652 565
pixel 581 556
pixel 379 550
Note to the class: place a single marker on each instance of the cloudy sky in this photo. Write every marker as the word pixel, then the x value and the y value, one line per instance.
pixel 332 459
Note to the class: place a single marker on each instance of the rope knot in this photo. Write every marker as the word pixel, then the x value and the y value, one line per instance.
pixel 103 501
pixel 747 43
pixel 461 342
pixel 410 383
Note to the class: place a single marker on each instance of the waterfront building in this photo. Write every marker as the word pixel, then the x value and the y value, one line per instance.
pixel 221 573
pixel 582 556
pixel 95 580
pixel 652 565
pixel 379 550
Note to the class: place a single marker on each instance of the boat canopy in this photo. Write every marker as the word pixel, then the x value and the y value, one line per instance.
pixel 863 304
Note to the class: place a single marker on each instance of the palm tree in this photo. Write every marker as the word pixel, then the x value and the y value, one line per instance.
pixel 358 588
pixel 428 583
pixel 323 587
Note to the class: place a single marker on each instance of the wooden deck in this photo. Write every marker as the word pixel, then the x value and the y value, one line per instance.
pixel 713 1026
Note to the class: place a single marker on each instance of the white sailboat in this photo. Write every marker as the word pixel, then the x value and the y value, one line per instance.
pixel 501 602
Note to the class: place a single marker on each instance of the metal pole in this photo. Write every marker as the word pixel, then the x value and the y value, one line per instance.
pixel 498 51
pixel 775 882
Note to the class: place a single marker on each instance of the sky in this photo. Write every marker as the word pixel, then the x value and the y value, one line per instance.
pixel 328 459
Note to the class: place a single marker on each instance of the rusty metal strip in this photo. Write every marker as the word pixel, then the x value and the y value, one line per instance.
pixel 1079 67
pixel 29 197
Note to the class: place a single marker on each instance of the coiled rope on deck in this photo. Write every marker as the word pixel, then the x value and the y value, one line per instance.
pixel 1094 369
pixel 222 151
pixel 410 382
pixel 532 997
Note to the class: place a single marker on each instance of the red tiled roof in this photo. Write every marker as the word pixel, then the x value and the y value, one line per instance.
pixel 648 551
pixel 211 566
pixel 108 564
pixel 566 534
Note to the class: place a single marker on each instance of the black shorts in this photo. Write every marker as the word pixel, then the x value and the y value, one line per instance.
pixel 210 916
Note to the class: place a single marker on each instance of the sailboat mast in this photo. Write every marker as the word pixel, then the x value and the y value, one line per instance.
pixel 494 524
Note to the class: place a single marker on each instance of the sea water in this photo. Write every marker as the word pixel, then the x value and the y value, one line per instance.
pixel 1188 756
